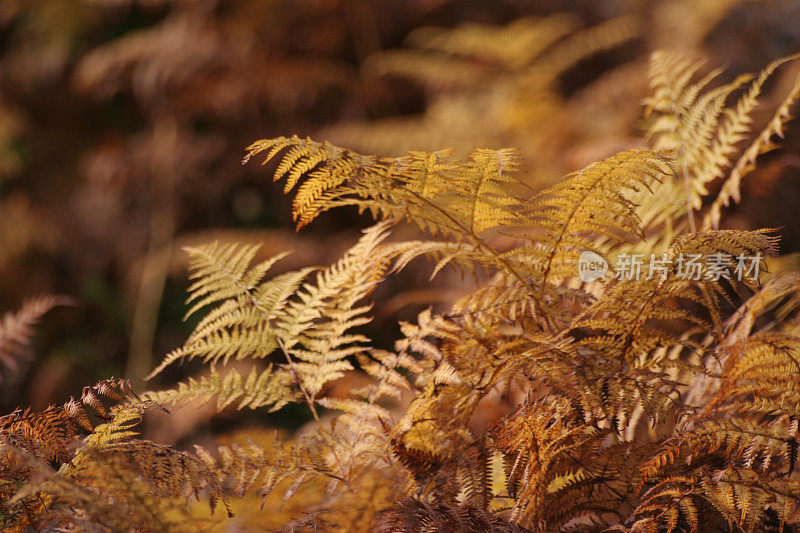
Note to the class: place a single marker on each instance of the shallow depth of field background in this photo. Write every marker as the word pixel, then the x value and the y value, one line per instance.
pixel 123 124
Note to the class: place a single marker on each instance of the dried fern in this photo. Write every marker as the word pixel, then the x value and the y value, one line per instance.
pixel 16 328
pixel 664 402
pixel 696 121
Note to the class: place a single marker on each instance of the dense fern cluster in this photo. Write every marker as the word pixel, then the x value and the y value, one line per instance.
pixel 642 404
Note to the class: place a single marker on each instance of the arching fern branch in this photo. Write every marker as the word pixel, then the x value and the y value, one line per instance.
pixel 705 131
pixel 271 387
pixel 456 200
pixel 308 321
pixel 584 211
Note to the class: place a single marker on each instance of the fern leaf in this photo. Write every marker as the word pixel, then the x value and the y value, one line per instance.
pixel 763 143
pixel 586 205
pixel 270 387
pixel 16 328
pixel 221 272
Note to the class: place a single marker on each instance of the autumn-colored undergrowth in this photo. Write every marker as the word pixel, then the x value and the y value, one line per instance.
pixel 621 361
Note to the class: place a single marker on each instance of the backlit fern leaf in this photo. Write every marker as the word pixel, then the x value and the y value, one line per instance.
pixel 308 321
pixel 314 327
pixel 223 271
pixel 269 387
pixel 240 326
pixel 763 143
pixel 587 204
pixel 456 199
pixel 706 133
pixel 459 201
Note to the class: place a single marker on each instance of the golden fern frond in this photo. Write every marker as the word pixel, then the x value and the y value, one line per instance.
pixel 456 199
pixel 697 122
pixel 326 176
pixel 31 443
pixel 739 451
pixel 627 325
pixel 230 338
pixel 669 506
pixel 765 355
pixel 761 243
pixel 636 360
pixel 673 105
pixel 443 395
pixel 254 467
pixel 739 425
pixel 769 447
pixel 597 482
pixel 115 432
pixel 20 508
pixel 170 473
pixel 676 113
pixel 271 387
pixel 710 154
pixel 743 497
pixel 239 327
pixel 585 206
pixel 223 271
pixel 16 328
pixel 314 327
pixel 462 256
pixel 386 369
pixel 758 392
pixel 763 143
pixel 504 302
pixel 724 498
pixel 361 441
pixel 309 322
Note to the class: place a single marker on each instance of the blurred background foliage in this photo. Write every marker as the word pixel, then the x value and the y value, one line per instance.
pixel 123 124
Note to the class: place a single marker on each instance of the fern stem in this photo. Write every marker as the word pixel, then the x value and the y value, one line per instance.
pixel 562 234
pixel 688 185
pixel 550 320
pixel 309 399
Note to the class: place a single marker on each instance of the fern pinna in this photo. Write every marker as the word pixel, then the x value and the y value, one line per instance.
pixel 666 401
